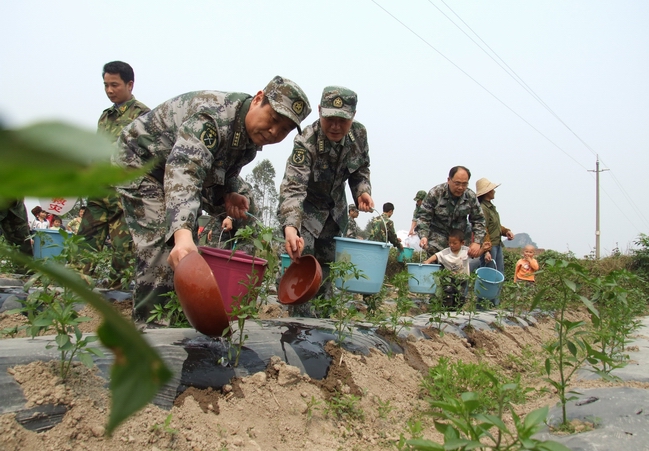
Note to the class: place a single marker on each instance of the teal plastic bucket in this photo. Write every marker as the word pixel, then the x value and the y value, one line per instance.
pixel 371 257
pixel 47 243
pixel 423 280
pixel 406 253
pixel 488 283
pixel 286 262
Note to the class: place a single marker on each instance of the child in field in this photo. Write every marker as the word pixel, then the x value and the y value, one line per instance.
pixel 454 258
pixel 526 266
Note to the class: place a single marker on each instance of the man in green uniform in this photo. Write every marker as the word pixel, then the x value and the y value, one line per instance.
pixel 312 202
pixel 105 216
pixel 448 206
pixel 198 141
pixel 419 198
pixel 352 227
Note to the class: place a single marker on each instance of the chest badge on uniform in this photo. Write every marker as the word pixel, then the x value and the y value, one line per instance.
pixel 298 106
pixel 338 102
pixel 209 136
pixel 298 157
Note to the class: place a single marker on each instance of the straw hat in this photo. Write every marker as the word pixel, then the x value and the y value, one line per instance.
pixel 483 186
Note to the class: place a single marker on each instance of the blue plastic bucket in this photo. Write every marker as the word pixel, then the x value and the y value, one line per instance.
pixel 371 257
pixel 286 262
pixel 405 253
pixel 423 280
pixel 488 283
pixel 47 243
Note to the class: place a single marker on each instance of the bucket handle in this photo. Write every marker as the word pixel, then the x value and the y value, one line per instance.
pixel 493 262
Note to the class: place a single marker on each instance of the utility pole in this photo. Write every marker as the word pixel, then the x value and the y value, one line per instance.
pixel 597 234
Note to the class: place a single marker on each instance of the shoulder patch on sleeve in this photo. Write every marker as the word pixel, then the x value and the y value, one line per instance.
pixel 299 156
pixel 209 135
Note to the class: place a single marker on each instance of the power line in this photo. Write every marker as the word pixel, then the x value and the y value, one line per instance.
pixel 505 67
pixel 479 84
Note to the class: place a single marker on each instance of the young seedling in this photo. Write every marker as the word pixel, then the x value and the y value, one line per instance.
pixel 341 305
pixel 54 309
pixel 344 406
pixel 571 349
pixel 618 306
pixel 246 307
pixel 464 425
pixel 395 321
pixel 171 312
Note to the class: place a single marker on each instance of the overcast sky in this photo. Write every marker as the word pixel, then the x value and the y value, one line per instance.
pixel 429 96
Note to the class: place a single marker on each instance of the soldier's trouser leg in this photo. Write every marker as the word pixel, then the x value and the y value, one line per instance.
pixel 15 227
pixel 103 217
pixel 323 248
pixel 144 210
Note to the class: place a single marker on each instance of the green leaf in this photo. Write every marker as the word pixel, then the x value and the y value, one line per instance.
pixel 570 284
pixel 548 369
pixel 138 372
pixel 76 161
pixel 493 420
pixel 572 348
pixel 62 340
pixel 86 359
pixel 456 443
pixel 96 351
pixel 535 418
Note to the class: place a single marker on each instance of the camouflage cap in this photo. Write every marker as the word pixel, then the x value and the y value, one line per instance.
pixel 338 101
pixel 288 99
pixel 421 194
pixel 353 207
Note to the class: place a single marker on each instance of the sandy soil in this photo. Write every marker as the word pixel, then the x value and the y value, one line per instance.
pixel 278 409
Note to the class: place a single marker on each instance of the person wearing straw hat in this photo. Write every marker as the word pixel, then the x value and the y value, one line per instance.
pixel 193 147
pixel 486 192
pixel 332 152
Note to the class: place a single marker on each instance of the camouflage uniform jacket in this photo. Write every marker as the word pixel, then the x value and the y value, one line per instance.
pixel 377 231
pixel 441 211
pixel 416 212
pixel 115 118
pixel 196 142
pixel 313 187
pixel 352 229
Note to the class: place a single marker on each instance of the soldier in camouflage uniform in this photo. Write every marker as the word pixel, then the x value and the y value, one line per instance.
pixel 14 225
pixel 312 202
pixel 446 207
pixel 104 216
pixel 198 142
pixel 352 227
pixel 419 198
pixel 382 223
